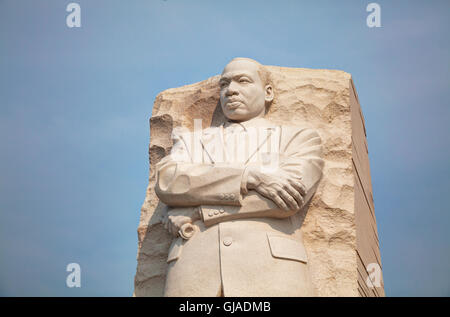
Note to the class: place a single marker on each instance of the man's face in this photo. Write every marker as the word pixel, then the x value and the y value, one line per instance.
pixel 242 93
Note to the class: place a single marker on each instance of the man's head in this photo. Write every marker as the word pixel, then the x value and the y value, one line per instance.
pixel 245 89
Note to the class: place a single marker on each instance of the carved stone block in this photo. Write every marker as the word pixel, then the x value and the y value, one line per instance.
pixel 339 229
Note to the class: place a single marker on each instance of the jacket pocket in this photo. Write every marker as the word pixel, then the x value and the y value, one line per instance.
pixel 286 248
pixel 175 250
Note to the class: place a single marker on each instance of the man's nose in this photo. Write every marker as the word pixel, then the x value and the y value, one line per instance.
pixel 232 89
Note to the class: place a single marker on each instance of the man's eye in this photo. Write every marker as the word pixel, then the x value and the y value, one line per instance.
pixel 244 80
pixel 223 84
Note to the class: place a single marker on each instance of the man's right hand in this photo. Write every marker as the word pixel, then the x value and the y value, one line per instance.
pixel 285 190
pixel 177 217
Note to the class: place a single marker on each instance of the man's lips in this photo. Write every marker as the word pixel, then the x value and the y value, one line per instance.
pixel 233 104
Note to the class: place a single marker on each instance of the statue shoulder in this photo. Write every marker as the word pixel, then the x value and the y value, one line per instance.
pixel 293 137
pixel 291 131
pixel 181 136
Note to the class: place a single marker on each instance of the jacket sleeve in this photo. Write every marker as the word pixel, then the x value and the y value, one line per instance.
pixel 181 183
pixel 300 155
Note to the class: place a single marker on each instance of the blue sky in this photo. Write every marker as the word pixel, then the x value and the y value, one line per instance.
pixel 75 104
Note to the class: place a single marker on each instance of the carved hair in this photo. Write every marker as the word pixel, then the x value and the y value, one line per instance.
pixel 263 72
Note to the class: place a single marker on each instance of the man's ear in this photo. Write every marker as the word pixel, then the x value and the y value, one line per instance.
pixel 269 93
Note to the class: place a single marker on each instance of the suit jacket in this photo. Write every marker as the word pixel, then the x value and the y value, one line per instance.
pixel 246 245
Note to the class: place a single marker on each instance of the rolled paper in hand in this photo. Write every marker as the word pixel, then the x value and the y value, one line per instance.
pixel 186 231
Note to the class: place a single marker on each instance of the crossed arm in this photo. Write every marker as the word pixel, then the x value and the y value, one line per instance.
pixel 223 192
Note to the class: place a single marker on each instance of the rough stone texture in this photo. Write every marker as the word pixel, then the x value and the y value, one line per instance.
pixel 339 229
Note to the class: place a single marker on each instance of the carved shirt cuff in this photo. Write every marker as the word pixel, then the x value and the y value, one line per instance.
pixel 214 214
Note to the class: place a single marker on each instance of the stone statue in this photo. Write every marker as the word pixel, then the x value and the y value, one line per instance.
pixel 231 192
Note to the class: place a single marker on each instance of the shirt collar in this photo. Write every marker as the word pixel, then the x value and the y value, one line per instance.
pixel 255 122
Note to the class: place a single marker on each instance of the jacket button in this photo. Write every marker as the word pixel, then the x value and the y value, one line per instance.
pixel 210 213
pixel 227 241
pixel 232 196
pixel 221 210
pixel 216 212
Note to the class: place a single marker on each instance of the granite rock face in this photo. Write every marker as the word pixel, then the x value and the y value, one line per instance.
pixel 339 229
